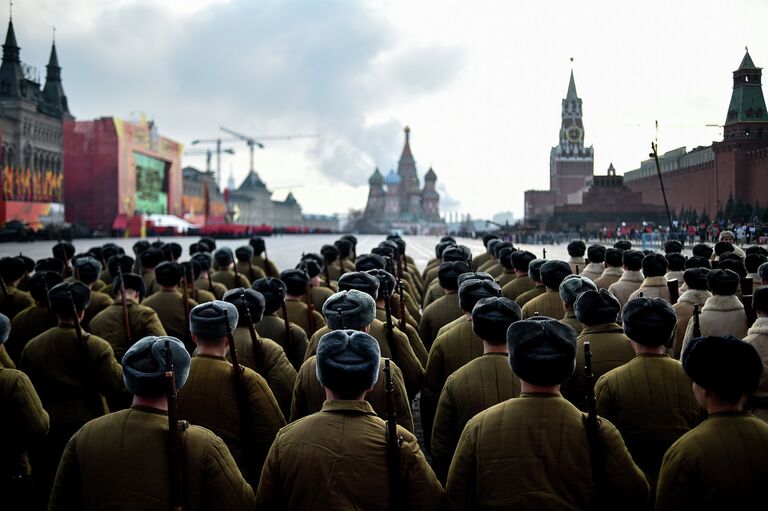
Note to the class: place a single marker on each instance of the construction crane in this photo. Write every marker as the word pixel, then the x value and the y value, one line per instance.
pixel 252 142
pixel 208 155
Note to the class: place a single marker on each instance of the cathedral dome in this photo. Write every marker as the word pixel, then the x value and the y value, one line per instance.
pixel 430 176
pixel 392 178
pixel 376 178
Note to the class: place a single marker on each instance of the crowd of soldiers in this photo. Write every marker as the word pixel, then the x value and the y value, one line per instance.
pixel 618 379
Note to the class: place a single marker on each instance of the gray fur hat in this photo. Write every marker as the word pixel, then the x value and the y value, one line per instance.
pixel 348 362
pixel 351 309
pixel 762 271
pixel 534 269
pixel 207 320
pixel 5 328
pixel 542 351
pixel 144 365
pixel 573 285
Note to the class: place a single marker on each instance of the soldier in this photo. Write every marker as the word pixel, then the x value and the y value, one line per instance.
pixel 483 258
pixel 296 476
pixel 695 293
pixel 368 262
pixel 87 271
pixel 260 247
pixel 224 265
pixel 117 264
pixel 192 271
pixel 446 308
pixel 762 272
pixel 595 262
pixel 317 292
pixel 722 463
pixel 438 259
pixel 63 251
pixel 24 423
pixel 262 355
pixel 752 262
pixel 534 273
pixel 570 288
pixel 649 399
pixel 71 371
pixel 13 300
pixel 453 350
pixel 397 347
pixel 464 318
pixel 169 303
pixel 478 385
pixel 623 245
pixel 655 284
pixel 549 303
pixel 597 311
pixel 492 261
pixel 576 251
pixel 632 277
pixel 243 413
pixel 205 281
pixel 172 251
pixel 332 271
pixel 150 258
pixel 289 335
pixel 451 254
pixel 544 463
pixel 36 319
pixel 757 336
pixel 505 258
pixel 353 310
pixel 143 321
pixel 672 247
pixel 135 442
pixel 298 307
pixel 675 267
pixel 522 282
pixel 244 264
pixel 345 254
pixel 723 313
pixel 613 270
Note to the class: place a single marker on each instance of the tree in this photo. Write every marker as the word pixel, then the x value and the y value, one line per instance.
pixel 728 212
pixel 704 217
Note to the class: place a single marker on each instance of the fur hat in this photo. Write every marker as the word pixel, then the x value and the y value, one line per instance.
pixel 151 257
pixel 367 262
pixel 675 261
pixel 448 274
pixel 596 307
pixel 63 250
pixel 649 321
pixel 310 267
pixel 727 366
pixel 203 259
pixel 521 259
pixel 273 290
pixel 573 285
pixel 5 328
pixel 223 257
pixel 723 282
pixel 118 263
pixel 489 237
pixel 753 261
pixel 672 247
pixel 41 282
pixel 696 278
pixel 542 351
pixel 360 280
pixel 169 273
pixel 330 253
pixel 144 365
pixel 697 262
pixel 209 320
pixel 132 281
pixel 348 362
pixel 613 258
pixel 244 253
pixel 140 246
pixel 63 295
pixel 457 253
pixel 45 264
pixel 344 246
pixel 623 245
pixel 505 258
pixel 442 247
pixel 762 271
pixel 253 304
pixel 192 270
pixel 87 269
pixel 296 281
pixel 209 242
pixel 473 290
pixel 654 265
pixel 196 248
pixel 553 273
pixel 534 269
pixel 480 275
pixel 576 248
pixel 351 309
pixel 387 283
pixel 721 247
pixel 492 316
pixel 596 253
pixel 702 250
pixel 632 259
pixel 734 265
pixel 258 245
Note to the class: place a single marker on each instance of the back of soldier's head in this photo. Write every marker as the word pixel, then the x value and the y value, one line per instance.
pixel 702 250
pixel 248 302
pixel 572 286
pixel 654 265
pixel 613 258
pixel 633 260
pixel 723 282
pixel 210 322
pixel 596 308
pixel 596 254
pixel 473 290
pixel 762 272
pixel 725 366
pixel 649 321
pixel 753 261
pixel 351 309
pixel 144 365
pixel 296 281
pixel 273 291
pixel 553 273
pixel 697 262
pixel 576 248
pixel 542 351
pixel 760 301
pixel 491 318
pixel 675 261
pixel 448 274
pixel 348 362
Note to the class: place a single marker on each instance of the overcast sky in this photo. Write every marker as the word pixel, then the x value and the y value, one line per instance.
pixel 480 83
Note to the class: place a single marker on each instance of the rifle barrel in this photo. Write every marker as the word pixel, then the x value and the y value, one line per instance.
pixel 174 443
pixel 393 440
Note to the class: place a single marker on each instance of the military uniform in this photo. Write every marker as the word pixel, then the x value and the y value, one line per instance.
pixel 757 336
pixel 14 301
pixel 27 324
pixel 109 324
pixel 445 328
pixel 209 399
pixel 294 344
pixel 298 313
pixel 684 311
pixel 228 279
pixel 721 315
pixel 652 287
pixel 527 296
pixel 405 358
pixel 627 284
pixel 202 295
pixel 5 359
pixel 444 310
pixel 481 259
pixel 99 302
pixel 532 452
pixel 413 335
pixel 720 464
pixel 309 395
pixel 547 304
pixel 434 291
pixel 275 367
pixel 267 265
pixel 24 423
pixel 577 263
pixel 610 276
pixel 249 271
pixel 593 271
pixel 571 321
pixel 356 477
pixel 650 401
pixel 610 349
pixel 150 283
pixel 133 445
pixel 516 287
pixel 319 295
pixel 169 306
pixel 506 277
pixel 217 290
pixel 71 385
pixel 478 385
pixel 449 352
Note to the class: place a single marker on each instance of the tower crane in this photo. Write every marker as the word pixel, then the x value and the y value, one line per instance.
pixel 251 142
pixel 208 155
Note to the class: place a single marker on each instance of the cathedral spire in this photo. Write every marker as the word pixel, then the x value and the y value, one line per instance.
pixel 53 91
pixel 747 106
pixel 571 95
pixel 11 48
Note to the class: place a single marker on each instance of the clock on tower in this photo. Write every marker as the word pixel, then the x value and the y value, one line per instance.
pixel 574 134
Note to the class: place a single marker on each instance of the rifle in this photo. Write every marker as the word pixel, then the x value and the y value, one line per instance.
pixel 51 316
pixel 126 316
pixel 185 296
pixel 237 275
pixel 258 348
pixel 327 274
pixel 175 478
pixel 241 395
pixel 310 308
pixel 288 328
pixel 390 327
pixel 543 253
pixel 577 269
pixel 393 440
pixel 210 282
pixel 674 291
pixel 402 304
pixel 592 423
pixel 81 339
pixel 6 295
pixel 696 323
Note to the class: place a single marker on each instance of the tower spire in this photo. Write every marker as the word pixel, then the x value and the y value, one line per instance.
pixel 571 86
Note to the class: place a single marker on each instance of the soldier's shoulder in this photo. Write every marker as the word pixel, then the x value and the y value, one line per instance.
pixel 12 378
